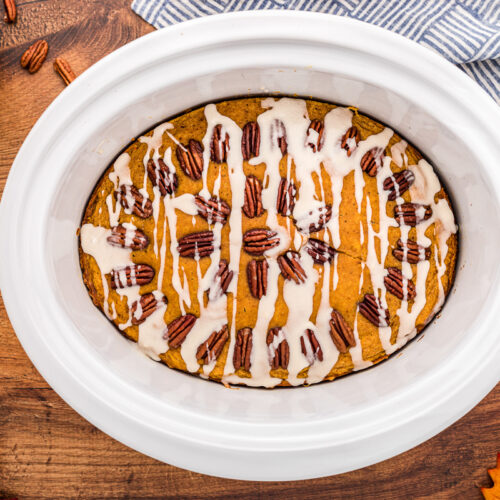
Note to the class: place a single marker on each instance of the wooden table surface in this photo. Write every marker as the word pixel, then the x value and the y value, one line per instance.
pixel 47 450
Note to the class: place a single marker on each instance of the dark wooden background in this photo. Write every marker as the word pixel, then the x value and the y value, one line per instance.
pixel 49 451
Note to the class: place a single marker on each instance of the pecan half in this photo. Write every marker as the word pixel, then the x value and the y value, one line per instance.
pixel 196 244
pixel 10 11
pixel 141 309
pixel 252 206
pixel 178 329
pixel 350 140
pixel 222 280
pixel 33 57
pixel 135 274
pixel 290 267
pixel 210 350
pixel 371 308
pixel 219 146
pixel 285 202
pixel 63 69
pixel 314 220
pixel 398 183
pixel 127 237
pixel 341 333
pixel 411 252
pixel 320 251
pixel 278 135
pixel 372 161
pixel 213 210
pixel 190 159
pixel 310 347
pixel 133 201
pixel 398 285
pixel 314 138
pixel 257 277
pixel 411 214
pixel 162 177
pixel 258 241
pixel 243 349
pixel 250 140
pixel 279 350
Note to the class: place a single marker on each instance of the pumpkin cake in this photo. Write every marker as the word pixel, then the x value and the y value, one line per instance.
pixel 269 242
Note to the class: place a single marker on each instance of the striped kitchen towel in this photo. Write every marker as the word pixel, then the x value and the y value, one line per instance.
pixel 466 32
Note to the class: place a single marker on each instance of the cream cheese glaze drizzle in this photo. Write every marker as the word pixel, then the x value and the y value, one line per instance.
pixel 308 166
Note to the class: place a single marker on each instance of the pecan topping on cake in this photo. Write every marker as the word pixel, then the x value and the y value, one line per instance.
pixel 257 277
pixel 371 308
pixel 411 214
pixel 252 206
pixel 279 351
pixel 372 161
pixel 133 201
pixel 314 220
pixel 161 176
pixel 310 347
pixel 124 237
pixel 411 252
pixel 34 56
pixel 196 244
pixel 290 267
pixel 141 309
pixel 10 11
pixel 210 350
pixel 397 184
pixel 341 333
pixel 219 146
pixel 213 210
pixel 278 135
pixel 243 349
pixel 319 251
pixel 191 159
pixel 398 285
pixel 135 274
pixel 350 140
pixel 222 280
pixel 258 241
pixel 285 201
pixel 314 137
pixel 250 140
pixel 178 329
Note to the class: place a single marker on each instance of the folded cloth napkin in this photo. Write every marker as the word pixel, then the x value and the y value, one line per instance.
pixel 466 32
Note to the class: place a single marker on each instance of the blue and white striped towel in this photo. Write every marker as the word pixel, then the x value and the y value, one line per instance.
pixel 466 32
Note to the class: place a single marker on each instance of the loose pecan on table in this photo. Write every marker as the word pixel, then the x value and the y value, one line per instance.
pixel 63 69
pixel 314 138
pixel 178 329
pixel 252 206
pixel 290 267
pixel 314 220
pixel 257 277
pixel 372 310
pixel 320 251
pixel 219 146
pixel 130 198
pixel 310 347
pixel 341 333
pixel 134 274
pixel 398 285
pixel 213 210
pixel 398 183
pixel 210 350
pixel 258 241
pixel 285 202
pixel 243 349
pixel 10 11
pixel 190 158
pixel 222 280
pixel 162 177
pixel 278 134
pixel 141 309
pixel 279 350
pixel 250 140
pixel 411 214
pixel 33 57
pixel 372 161
pixel 124 237
pixel 196 244
pixel 411 252
pixel 350 140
